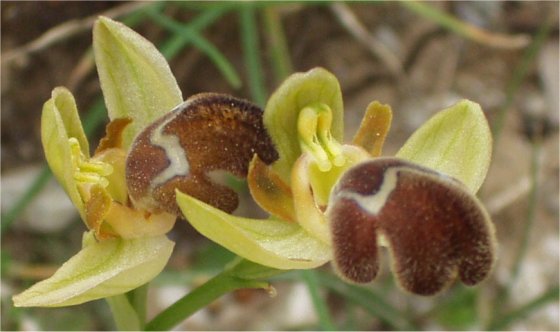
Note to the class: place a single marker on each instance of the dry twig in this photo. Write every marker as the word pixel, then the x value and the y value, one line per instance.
pixel 479 35
pixel 67 30
pixel 508 196
pixel 351 23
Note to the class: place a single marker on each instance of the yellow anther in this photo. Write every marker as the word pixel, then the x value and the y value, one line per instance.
pixel 314 124
pixel 332 147
pixel 307 129
pixel 87 170
pixel 97 167
pixel 76 153
pixel 91 178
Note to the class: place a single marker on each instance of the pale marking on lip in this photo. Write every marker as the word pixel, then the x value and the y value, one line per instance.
pixel 375 202
pixel 178 163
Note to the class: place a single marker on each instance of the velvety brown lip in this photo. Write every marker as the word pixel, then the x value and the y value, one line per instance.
pixel 214 132
pixel 434 227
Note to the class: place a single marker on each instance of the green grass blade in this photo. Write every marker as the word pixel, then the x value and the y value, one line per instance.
pixel 251 52
pixel 310 279
pixel 520 254
pixel 530 212
pixel 35 188
pixel 280 55
pixel 176 43
pixel 373 303
pixel 502 324
pixel 190 35
pixel 138 16
pixel 519 74
pixel 96 116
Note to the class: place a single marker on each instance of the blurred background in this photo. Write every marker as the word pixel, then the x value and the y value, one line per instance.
pixel 418 57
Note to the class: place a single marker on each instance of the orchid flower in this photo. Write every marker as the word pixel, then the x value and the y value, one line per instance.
pixel 330 201
pixel 125 245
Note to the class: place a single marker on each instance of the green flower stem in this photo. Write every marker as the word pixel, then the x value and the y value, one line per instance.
pixel 241 274
pixel 310 279
pixel 138 299
pixel 124 314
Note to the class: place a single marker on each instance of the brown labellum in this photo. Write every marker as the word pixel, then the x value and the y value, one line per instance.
pixel 434 227
pixel 208 132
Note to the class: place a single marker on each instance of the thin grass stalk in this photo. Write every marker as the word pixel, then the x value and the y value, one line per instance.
pixel 518 77
pixel 251 52
pixel 206 47
pixel 176 43
pixel 371 302
pixel 310 279
pixel 279 52
pixel 551 295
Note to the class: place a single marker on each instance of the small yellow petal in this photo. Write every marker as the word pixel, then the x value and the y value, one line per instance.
pixel 269 191
pixel 113 134
pixel 374 128
pixel 97 206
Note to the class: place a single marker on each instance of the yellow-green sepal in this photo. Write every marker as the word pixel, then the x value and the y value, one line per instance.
pixel 317 86
pixel 59 122
pixel 99 270
pixel 269 242
pixel 135 77
pixel 456 141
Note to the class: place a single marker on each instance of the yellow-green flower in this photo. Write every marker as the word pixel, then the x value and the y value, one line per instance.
pixel 125 245
pixel 335 201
